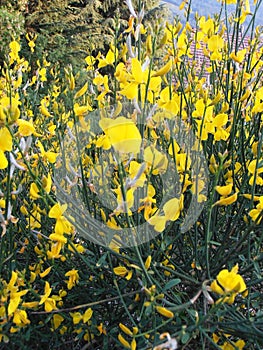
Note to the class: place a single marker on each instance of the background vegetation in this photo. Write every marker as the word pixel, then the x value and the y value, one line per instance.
pixel 198 288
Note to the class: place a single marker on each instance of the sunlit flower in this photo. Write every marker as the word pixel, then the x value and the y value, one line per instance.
pixel 73 278
pixel 123 134
pixel 62 224
pixel 255 214
pixel 229 284
pixel 123 272
pixel 14 53
pixel 5 145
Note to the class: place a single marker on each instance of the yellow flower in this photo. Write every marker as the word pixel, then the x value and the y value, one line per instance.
pixel 49 155
pixel 168 102
pixel 123 134
pixel 172 208
pixel 239 56
pixel 125 329
pixel 9 108
pixel 46 272
pixel 15 299
pixel 87 315
pixel 126 201
pixel 137 174
pixel 164 312
pixel 147 263
pixel 20 318
pixel 15 48
pixel 81 110
pixel 156 160
pixel 42 73
pixel 255 213
pixel 47 182
pixel 47 292
pixel 123 272
pixel 226 200
pixel 57 319
pixel 240 344
pixel 73 278
pixel 137 77
pixel 34 191
pixel 148 201
pixel 124 342
pixel 76 317
pixel 224 190
pixel 81 91
pixel 158 221
pixel 5 145
pixel 108 60
pixel 215 43
pixel 54 252
pixel 62 224
pixel 164 70
pixel 26 128
pixel 229 284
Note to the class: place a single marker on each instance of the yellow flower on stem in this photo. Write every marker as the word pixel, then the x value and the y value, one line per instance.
pixel 240 344
pixel 156 160
pixel 76 317
pixel 62 224
pixel 14 50
pixel 49 302
pixel 73 278
pixel 227 345
pixel 255 214
pixel 57 320
pixel 9 109
pixel 87 315
pixel 158 221
pixel 26 128
pixel 224 190
pixel 148 202
pixel 109 59
pixel 229 284
pixel 34 191
pixel 168 102
pixel 226 200
pixel 20 318
pixel 123 134
pixel 138 76
pixel 123 272
pixel 5 145
pixel 54 252
pixel 49 155
pixel 164 312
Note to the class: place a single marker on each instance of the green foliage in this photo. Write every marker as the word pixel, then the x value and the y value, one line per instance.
pixel 67 30
pixel 11 27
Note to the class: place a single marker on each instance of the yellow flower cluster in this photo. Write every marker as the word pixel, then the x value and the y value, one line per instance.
pixel 44 112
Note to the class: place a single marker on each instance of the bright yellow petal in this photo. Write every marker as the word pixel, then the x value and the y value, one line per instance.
pixel 3 160
pixel 137 70
pixel 123 134
pixel 81 91
pixel 120 271
pixel 227 201
pixel 130 91
pixel 158 222
pixel 5 140
pixel 58 319
pixel 87 315
pixel 224 190
pixel 172 209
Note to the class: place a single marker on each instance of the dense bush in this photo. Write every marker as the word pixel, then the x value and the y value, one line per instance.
pixel 89 170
